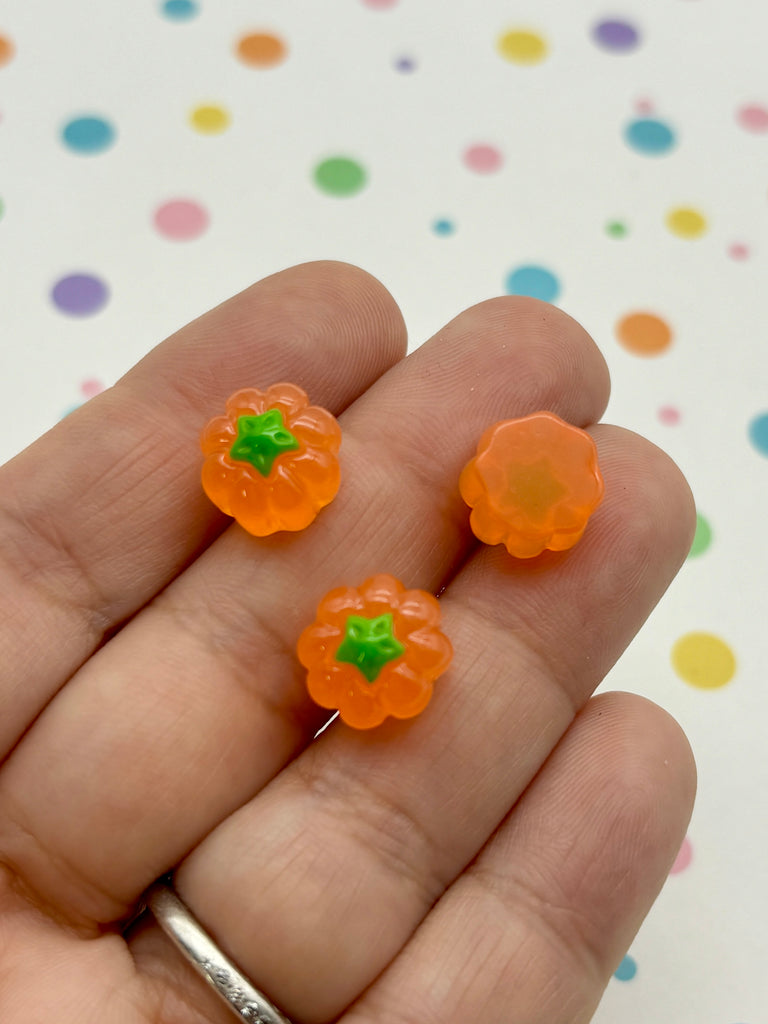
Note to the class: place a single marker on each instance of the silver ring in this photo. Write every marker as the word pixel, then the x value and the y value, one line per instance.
pixel 180 925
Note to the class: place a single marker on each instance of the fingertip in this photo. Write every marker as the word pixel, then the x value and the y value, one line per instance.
pixel 333 327
pixel 558 345
pixel 642 740
pixel 648 502
pixel 505 357
pixel 366 300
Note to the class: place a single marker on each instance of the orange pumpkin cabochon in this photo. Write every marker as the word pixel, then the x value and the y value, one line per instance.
pixel 374 651
pixel 270 461
pixel 532 485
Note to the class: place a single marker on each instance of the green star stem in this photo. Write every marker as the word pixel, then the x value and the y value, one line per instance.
pixel 369 644
pixel 261 439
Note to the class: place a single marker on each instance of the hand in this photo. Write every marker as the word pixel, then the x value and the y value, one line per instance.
pixel 488 861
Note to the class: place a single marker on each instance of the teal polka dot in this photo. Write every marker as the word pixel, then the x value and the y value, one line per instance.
pixel 443 226
pixel 537 282
pixel 179 10
pixel 626 970
pixel 88 134
pixel 649 136
pixel 758 433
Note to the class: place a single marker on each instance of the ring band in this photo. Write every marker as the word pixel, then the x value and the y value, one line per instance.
pixel 180 925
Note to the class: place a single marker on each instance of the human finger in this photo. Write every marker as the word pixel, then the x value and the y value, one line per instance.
pixel 344 853
pixel 98 515
pixel 199 701
pixel 533 930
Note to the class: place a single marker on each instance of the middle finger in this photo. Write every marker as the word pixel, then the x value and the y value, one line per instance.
pixel 199 701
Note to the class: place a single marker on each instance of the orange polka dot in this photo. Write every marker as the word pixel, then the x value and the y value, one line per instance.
pixel 7 50
pixel 644 334
pixel 261 49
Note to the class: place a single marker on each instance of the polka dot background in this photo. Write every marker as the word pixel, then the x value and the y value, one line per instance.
pixel 593 156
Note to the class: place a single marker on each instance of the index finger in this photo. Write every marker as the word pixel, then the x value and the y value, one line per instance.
pixel 99 514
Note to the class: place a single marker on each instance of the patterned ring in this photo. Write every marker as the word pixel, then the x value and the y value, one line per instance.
pixel 179 924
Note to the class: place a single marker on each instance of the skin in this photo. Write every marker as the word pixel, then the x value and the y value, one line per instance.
pixel 490 860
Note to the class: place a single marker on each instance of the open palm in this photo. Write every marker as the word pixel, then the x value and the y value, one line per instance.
pixel 488 861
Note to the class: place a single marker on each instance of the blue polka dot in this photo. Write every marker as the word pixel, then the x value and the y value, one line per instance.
pixel 88 134
pixel 649 136
pixel 443 226
pixel 758 433
pixel 538 282
pixel 627 969
pixel 179 10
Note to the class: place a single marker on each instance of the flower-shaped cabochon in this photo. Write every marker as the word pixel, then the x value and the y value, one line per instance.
pixel 374 651
pixel 533 484
pixel 270 462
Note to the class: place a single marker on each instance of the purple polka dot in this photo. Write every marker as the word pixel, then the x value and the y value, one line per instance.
pixel 79 294
pixel 616 35
pixel 405 64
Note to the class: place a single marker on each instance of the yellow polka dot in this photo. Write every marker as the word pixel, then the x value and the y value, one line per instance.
pixel 522 46
pixel 703 660
pixel 209 119
pixel 686 222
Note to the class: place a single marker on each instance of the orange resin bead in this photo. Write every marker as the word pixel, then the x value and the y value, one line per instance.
pixel 270 462
pixel 374 651
pixel 533 484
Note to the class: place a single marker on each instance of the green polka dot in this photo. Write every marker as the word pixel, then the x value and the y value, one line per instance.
pixel 616 229
pixel 340 176
pixel 702 538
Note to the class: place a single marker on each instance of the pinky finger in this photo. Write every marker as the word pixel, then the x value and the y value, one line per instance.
pixel 534 928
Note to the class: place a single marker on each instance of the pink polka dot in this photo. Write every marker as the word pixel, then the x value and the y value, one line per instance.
pixel 738 251
pixel 669 415
pixel 483 158
pixel 181 220
pixel 683 859
pixel 91 387
pixel 380 5
pixel 644 106
pixel 753 117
